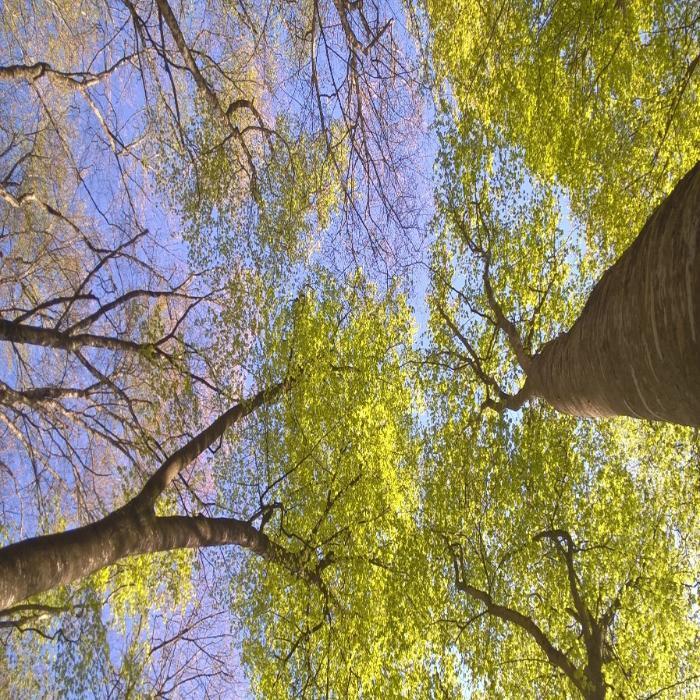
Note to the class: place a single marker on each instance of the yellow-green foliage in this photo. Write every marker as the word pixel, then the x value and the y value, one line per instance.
pixel 342 449
pixel 600 97
pixel 298 191
pixel 494 486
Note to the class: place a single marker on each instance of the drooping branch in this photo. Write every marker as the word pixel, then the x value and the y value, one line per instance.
pixel 27 198
pixel 182 46
pixel 512 402
pixel 472 358
pixel 18 332
pixel 505 400
pixel 528 625
pixel 501 322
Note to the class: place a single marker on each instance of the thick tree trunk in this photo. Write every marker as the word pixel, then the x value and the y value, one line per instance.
pixel 596 687
pixel 41 563
pixel 597 693
pixel 635 348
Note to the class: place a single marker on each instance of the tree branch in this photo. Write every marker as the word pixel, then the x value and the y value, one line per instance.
pixel 525 623
pixel 174 464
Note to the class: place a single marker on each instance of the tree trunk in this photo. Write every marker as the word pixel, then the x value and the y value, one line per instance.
pixel 635 348
pixel 41 563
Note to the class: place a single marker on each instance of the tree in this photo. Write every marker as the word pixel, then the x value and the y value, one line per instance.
pixel 198 159
pixel 229 462
pixel 568 577
pixel 626 353
pixel 598 97
pixel 633 349
pixel 39 564
pixel 334 486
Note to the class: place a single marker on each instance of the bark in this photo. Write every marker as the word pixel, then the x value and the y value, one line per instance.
pixel 23 72
pixel 635 348
pixel 77 79
pixel 38 564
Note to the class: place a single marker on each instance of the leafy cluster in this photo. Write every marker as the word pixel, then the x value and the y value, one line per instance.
pixel 599 97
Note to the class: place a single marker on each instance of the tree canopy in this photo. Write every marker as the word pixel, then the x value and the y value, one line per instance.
pixel 350 349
